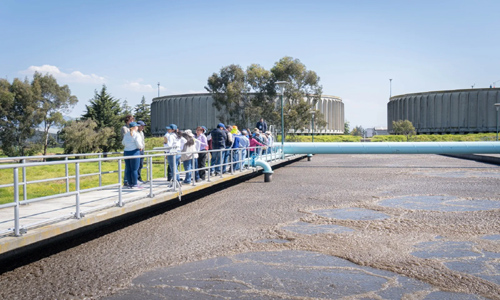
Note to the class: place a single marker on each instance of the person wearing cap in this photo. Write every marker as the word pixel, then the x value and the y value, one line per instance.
pixel 141 162
pixel 202 156
pixel 236 148
pixel 219 138
pixel 133 145
pixel 172 140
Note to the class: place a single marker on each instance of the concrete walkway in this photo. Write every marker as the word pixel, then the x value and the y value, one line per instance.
pixel 47 219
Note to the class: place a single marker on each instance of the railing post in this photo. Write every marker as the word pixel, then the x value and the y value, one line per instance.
pixel 77 189
pixel 25 188
pixel 17 231
pixel 67 174
pixel 209 159
pixel 165 166
pixel 120 201
pixel 174 172
pixel 150 176
pixel 193 172
pixel 100 170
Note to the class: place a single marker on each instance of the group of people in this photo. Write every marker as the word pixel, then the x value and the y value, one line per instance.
pixel 227 142
pixel 134 143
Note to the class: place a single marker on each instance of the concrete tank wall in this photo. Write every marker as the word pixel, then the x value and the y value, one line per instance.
pixel 457 111
pixel 189 111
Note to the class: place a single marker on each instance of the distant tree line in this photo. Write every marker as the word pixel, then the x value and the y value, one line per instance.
pixel 28 107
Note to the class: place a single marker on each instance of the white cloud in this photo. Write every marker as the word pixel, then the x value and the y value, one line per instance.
pixel 75 76
pixel 137 86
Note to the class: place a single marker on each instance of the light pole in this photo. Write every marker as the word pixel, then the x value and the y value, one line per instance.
pixel 158 89
pixel 281 85
pixel 312 124
pixel 497 106
pixel 390 88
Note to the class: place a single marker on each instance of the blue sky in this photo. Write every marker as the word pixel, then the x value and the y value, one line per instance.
pixel 354 46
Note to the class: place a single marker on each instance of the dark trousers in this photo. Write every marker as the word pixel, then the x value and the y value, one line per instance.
pixel 202 161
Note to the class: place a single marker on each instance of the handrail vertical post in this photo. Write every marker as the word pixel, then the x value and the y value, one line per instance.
pixel 231 160
pixel 150 176
pixel 77 189
pixel 209 159
pixel 16 200
pixel 165 166
pixel 174 172
pixel 67 174
pixel 100 170
pixel 25 180
pixel 120 200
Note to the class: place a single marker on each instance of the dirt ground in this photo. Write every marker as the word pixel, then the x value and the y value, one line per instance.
pixel 230 221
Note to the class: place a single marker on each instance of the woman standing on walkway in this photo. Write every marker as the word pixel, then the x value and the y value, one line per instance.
pixel 133 146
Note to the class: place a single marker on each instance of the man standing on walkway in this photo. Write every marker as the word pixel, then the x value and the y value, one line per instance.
pixel 141 163
pixel 219 137
pixel 261 125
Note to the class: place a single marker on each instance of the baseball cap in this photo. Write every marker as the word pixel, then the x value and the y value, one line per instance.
pixel 141 123
pixel 172 126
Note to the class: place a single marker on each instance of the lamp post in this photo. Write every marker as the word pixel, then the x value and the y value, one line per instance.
pixel 390 88
pixel 497 106
pixel 281 85
pixel 312 124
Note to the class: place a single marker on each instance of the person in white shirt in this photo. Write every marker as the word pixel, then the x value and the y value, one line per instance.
pixel 133 145
pixel 172 140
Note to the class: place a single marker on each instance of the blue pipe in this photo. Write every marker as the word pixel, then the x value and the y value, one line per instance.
pixel 393 148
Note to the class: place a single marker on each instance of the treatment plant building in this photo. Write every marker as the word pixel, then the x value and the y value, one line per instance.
pixel 446 112
pixel 189 111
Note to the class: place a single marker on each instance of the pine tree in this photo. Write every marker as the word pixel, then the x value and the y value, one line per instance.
pixel 143 113
pixel 105 111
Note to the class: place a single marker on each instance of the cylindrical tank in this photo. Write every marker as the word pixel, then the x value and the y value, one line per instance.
pixel 444 112
pixel 191 110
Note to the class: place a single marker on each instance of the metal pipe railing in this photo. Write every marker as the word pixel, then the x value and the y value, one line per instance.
pixel 79 213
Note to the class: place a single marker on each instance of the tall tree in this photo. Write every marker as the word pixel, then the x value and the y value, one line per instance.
pixel 126 109
pixel 301 94
pixel 227 89
pixel 19 117
pixel 143 113
pixel 106 112
pixel 54 101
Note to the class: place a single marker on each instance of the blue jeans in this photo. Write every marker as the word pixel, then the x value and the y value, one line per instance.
pixel 188 166
pixel 173 162
pixel 236 158
pixel 216 155
pixel 131 167
pixel 226 154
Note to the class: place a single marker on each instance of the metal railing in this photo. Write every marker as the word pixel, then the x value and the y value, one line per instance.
pixel 231 160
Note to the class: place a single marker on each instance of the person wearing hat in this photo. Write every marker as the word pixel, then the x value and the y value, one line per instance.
pixel 202 156
pixel 133 145
pixel 219 137
pixel 172 140
pixel 141 163
pixel 190 147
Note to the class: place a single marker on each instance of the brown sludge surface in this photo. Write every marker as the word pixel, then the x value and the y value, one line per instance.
pixel 231 221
